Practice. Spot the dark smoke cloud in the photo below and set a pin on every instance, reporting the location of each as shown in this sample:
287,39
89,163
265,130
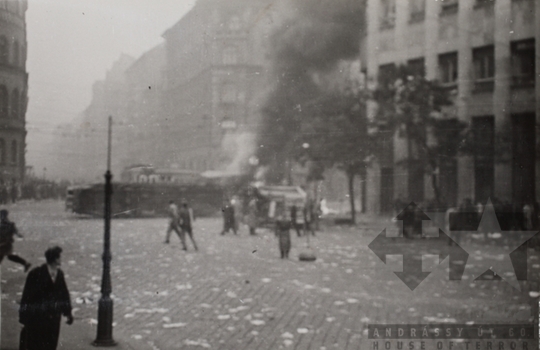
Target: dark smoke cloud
315,37
320,33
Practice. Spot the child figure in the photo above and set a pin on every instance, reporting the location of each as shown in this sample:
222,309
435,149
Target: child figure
283,226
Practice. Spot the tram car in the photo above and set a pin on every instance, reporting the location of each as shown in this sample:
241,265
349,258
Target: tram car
144,199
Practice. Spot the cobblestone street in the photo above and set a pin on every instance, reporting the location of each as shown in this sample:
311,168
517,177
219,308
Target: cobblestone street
235,293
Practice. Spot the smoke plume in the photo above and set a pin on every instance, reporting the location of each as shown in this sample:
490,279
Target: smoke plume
311,42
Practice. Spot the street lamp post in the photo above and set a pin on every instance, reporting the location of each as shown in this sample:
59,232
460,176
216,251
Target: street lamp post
105,307
307,255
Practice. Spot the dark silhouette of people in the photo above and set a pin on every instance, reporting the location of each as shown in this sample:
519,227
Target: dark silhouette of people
7,231
294,220
186,220
14,192
252,216
309,218
44,300
284,236
229,218
174,220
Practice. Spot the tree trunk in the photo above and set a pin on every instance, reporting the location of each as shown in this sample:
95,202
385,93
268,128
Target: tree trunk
435,185
363,177
350,176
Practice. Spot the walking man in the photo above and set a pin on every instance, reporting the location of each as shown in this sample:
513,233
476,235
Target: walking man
294,219
174,224
229,218
251,218
7,231
44,300
186,219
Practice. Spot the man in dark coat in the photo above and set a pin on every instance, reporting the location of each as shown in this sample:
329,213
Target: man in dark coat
44,300
186,219
229,217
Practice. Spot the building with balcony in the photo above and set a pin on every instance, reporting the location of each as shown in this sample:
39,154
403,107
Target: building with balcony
13,90
488,53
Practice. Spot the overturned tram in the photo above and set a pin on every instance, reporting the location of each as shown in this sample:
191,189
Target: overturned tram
144,199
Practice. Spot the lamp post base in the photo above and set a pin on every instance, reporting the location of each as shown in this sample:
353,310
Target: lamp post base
104,343
104,329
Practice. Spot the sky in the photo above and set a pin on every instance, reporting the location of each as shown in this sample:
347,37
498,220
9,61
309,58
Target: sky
71,44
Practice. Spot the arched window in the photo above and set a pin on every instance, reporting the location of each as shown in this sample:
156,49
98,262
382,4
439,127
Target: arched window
15,104
2,151
4,101
14,152
16,53
4,50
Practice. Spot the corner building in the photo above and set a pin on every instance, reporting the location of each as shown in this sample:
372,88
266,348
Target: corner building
13,90
215,71
485,51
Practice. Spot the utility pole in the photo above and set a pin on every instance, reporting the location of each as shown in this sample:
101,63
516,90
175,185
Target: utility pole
105,306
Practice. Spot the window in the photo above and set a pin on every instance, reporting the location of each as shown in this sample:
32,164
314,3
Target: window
417,67
14,152
448,68
449,6
387,73
3,102
2,151
484,67
16,53
15,104
230,55
417,8
523,65
4,50
388,13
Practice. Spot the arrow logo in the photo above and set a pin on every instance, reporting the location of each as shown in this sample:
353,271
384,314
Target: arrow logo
412,274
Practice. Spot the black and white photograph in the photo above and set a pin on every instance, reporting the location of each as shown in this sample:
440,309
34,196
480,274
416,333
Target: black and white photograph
269,174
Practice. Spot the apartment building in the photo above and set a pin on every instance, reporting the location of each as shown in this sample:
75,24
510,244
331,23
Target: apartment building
13,90
487,53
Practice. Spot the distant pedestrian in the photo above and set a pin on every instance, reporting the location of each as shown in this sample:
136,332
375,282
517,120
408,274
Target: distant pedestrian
308,217
229,217
283,233
251,218
238,211
44,300
7,231
14,192
186,224
174,224
3,194
294,220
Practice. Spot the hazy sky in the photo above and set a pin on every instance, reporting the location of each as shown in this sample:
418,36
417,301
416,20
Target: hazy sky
71,44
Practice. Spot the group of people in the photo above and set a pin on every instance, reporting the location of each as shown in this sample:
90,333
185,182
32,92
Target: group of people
232,215
45,296
181,222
